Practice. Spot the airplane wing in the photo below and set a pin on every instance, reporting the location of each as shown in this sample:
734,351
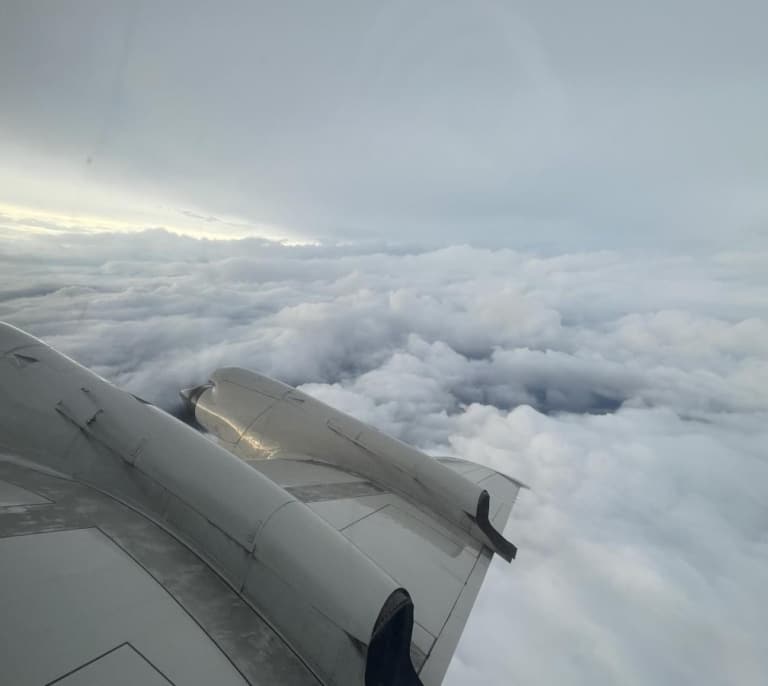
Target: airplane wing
405,520
441,567
94,592
133,549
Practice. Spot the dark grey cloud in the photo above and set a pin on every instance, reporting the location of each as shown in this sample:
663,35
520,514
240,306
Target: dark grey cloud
597,124
629,392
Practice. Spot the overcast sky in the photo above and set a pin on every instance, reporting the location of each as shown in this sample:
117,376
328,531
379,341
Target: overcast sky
529,234
554,124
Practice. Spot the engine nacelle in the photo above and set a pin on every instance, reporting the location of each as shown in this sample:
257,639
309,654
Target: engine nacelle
257,417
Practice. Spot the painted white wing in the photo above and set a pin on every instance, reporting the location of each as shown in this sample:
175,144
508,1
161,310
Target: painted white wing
432,524
134,548
95,592
441,566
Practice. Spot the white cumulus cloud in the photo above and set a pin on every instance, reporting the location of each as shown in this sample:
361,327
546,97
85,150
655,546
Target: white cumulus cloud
629,392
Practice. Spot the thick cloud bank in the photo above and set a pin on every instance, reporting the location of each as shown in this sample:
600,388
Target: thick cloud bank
630,393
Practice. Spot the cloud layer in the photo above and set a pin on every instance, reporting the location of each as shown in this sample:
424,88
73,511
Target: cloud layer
629,392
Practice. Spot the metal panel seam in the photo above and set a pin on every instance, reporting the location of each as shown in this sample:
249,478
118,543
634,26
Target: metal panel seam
193,549
175,600
373,512
90,662
453,607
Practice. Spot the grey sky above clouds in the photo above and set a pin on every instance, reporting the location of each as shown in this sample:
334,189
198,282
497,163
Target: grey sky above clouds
526,124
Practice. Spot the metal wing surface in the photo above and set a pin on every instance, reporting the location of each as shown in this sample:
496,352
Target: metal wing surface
94,592
299,547
432,524
441,566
